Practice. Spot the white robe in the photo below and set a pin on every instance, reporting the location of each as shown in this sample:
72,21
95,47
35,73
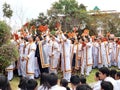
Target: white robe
118,83
44,53
21,47
78,55
103,55
118,56
65,58
114,83
66,64
87,61
95,53
57,87
54,50
110,53
97,85
30,62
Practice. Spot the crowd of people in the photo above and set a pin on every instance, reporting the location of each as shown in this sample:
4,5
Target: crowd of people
49,53
105,78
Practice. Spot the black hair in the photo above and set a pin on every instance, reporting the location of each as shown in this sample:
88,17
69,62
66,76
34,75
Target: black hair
4,83
75,79
39,36
66,35
52,79
72,40
83,87
104,70
118,74
97,74
26,39
33,38
31,84
22,37
105,85
23,82
64,83
44,80
112,73
83,80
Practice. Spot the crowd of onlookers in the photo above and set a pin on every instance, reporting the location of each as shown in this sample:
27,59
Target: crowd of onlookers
105,78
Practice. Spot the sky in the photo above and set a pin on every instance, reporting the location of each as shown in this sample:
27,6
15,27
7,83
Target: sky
25,10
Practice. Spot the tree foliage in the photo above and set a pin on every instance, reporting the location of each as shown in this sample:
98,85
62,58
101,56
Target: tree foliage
7,12
69,14
8,51
4,33
8,54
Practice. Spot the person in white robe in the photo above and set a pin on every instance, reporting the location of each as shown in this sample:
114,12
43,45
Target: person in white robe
110,52
30,58
42,55
54,55
118,55
19,63
87,61
78,51
104,75
98,82
25,53
95,53
65,55
103,53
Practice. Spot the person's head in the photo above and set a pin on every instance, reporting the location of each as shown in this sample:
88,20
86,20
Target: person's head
117,76
97,76
64,83
66,35
38,38
31,84
43,79
75,80
25,39
103,73
31,38
112,73
83,87
105,85
82,80
53,38
23,83
4,83
52,79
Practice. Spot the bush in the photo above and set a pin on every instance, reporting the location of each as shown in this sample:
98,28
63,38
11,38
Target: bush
8,51
4,33
8,54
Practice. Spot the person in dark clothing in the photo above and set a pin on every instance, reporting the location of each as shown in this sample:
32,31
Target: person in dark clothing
37,54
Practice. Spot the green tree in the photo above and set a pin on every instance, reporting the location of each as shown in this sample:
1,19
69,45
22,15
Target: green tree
73,13
7,12
8,51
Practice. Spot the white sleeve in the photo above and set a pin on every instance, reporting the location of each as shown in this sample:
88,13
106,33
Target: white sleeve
32,52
